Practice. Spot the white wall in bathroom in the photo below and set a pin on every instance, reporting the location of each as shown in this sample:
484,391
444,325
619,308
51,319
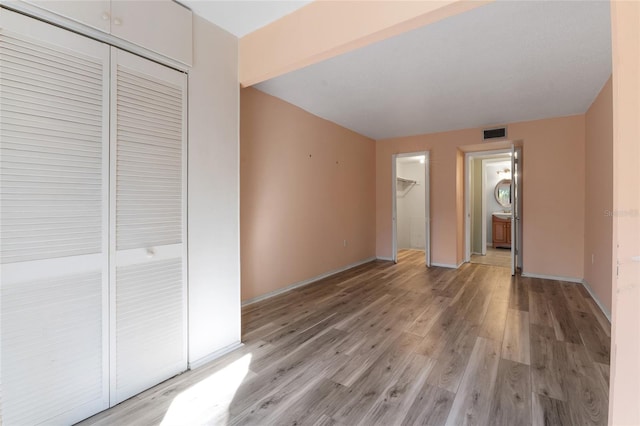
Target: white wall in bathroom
492,179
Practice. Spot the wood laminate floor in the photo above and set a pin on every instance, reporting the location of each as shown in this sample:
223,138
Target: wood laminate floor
494,256
400,344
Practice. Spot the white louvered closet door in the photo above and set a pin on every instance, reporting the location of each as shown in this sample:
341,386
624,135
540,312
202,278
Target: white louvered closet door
148,195
54,164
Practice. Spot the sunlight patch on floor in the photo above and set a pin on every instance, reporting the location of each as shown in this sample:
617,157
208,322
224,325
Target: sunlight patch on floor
208,400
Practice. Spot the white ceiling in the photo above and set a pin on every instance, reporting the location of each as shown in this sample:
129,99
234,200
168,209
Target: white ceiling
503,62
414,159
240,17
499,165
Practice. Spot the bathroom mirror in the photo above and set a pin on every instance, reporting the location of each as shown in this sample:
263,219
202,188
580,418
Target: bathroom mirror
503,192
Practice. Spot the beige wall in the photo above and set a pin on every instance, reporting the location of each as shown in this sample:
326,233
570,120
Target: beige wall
624,408
553,220
598,225
306,186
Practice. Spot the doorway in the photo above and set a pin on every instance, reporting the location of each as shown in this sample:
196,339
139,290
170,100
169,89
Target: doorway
411,212
492,208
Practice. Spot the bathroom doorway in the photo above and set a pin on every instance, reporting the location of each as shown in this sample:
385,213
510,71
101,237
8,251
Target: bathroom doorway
410,215
492,193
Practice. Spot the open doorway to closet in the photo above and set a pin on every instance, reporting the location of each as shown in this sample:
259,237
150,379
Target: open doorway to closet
493,205
411,231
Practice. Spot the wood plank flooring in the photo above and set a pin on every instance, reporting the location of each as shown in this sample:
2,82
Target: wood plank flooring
400,344
493,257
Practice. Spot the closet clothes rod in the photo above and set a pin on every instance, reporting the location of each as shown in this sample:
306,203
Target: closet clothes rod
403,180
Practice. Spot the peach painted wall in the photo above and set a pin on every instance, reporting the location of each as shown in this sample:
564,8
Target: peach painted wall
624,408
553,215
598,225
306,185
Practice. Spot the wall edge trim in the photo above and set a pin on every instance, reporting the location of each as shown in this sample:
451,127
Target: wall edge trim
214,355
306,282
552,277
447,265
595,298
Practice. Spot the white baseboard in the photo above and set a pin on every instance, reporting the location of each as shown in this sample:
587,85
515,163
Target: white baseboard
552,277
214,355
386,259
447,265
604,310
306,282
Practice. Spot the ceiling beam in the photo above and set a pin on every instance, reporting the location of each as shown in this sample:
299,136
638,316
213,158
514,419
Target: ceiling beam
327,28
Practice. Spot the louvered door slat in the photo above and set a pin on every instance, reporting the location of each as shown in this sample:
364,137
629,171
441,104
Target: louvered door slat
148,204
69,108
148,109
54,109
147,315
49,54
148,113
148,155
45,92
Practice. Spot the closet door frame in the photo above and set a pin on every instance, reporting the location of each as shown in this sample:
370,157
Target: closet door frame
113,136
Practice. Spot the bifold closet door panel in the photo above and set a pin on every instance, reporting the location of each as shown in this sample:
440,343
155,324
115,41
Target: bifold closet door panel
54,165
148,169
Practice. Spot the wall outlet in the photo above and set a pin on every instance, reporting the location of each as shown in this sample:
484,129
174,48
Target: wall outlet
344,243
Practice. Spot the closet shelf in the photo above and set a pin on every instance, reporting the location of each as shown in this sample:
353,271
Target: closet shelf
404,180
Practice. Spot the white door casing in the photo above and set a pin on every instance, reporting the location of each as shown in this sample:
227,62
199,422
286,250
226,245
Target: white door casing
516,208
427,207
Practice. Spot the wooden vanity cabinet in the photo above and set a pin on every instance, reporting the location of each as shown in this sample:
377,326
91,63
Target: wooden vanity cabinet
501,232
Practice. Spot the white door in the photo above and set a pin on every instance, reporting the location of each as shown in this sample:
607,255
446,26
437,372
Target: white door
394,208
54,135
427,211
515,209
148,195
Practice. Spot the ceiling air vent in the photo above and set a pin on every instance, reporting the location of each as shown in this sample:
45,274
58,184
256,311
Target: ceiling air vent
498,133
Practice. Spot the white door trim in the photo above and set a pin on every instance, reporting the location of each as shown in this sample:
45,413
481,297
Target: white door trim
469,157
394,206
516,207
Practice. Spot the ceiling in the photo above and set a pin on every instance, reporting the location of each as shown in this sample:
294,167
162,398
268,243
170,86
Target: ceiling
240,17
494,166
503,62
414,159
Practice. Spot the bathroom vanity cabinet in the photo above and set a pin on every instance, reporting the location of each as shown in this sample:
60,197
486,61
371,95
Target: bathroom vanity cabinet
501,232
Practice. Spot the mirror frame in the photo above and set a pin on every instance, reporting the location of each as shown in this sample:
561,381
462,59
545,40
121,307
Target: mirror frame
495,192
